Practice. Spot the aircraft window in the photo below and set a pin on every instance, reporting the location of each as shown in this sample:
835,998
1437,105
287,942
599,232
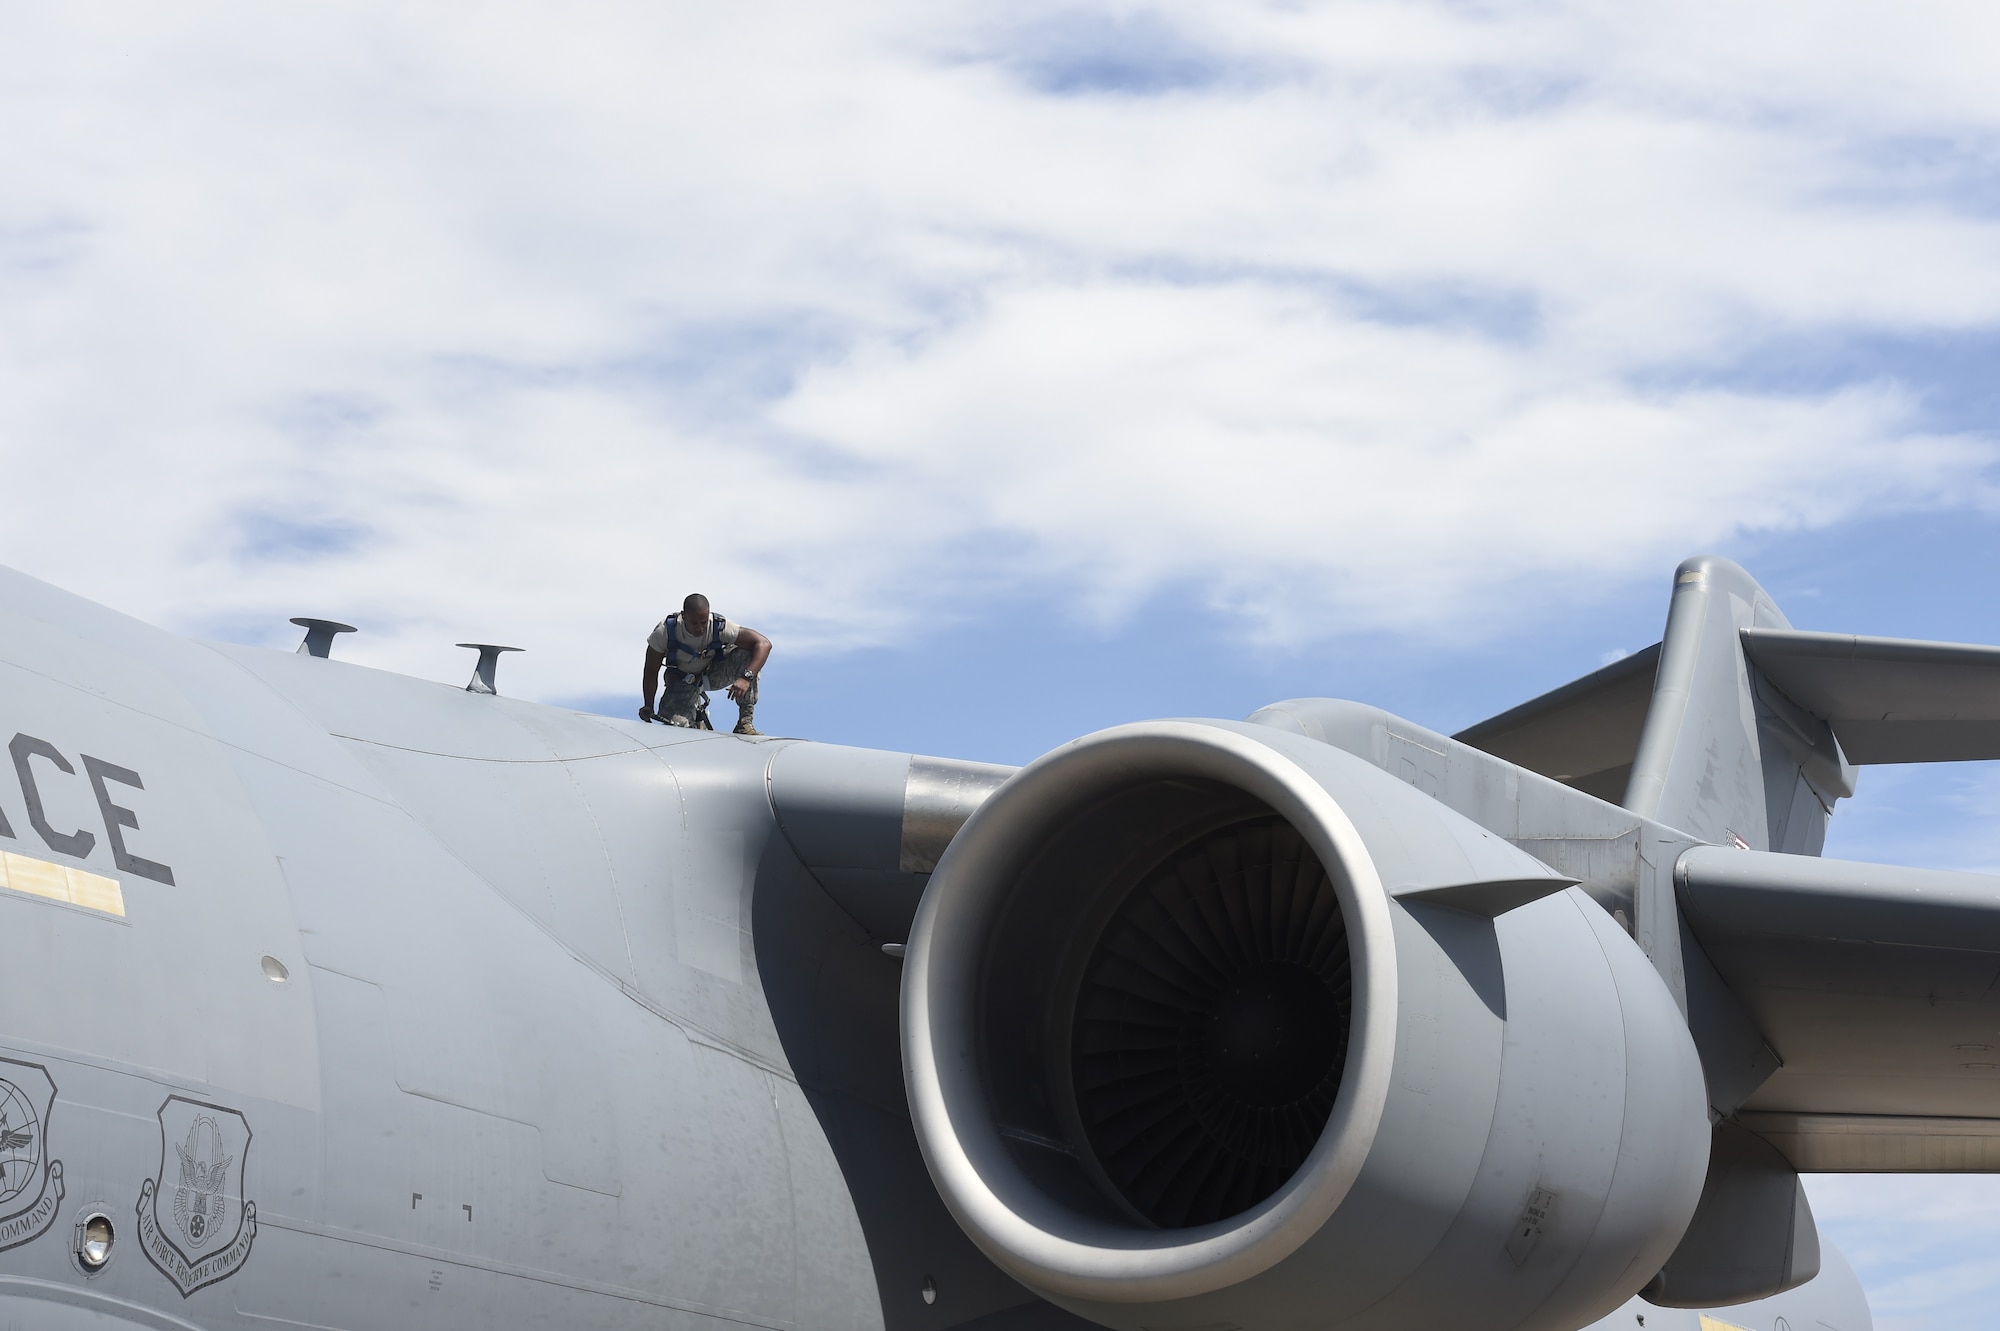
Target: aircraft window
94,1237
59,882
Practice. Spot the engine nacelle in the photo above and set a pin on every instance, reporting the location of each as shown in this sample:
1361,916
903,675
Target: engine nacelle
1211,1026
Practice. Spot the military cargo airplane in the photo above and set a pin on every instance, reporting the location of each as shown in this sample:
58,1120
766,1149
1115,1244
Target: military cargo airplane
336,998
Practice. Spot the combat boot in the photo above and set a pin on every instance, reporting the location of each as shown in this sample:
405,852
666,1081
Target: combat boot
744,717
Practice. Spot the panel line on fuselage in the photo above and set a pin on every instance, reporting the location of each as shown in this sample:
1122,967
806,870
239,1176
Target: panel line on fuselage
470,1262
688,1026
481,758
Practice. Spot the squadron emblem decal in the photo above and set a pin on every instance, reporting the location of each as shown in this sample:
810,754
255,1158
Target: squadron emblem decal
31,1184
194,1222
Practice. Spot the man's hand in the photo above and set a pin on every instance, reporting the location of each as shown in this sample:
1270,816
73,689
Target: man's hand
737,688
646,714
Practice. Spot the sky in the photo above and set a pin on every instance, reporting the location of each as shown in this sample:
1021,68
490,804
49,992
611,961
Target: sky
1023,369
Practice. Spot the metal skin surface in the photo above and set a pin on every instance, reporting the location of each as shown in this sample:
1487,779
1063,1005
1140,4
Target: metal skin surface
349,1000
520,1070
1832,1301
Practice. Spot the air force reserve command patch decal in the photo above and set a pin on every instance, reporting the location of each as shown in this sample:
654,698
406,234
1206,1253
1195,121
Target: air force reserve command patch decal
31,1184
194,1222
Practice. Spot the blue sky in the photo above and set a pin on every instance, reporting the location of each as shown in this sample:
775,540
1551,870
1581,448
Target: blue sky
1028,368
1024,671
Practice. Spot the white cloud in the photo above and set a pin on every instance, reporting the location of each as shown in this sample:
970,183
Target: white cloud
1255,439
488,320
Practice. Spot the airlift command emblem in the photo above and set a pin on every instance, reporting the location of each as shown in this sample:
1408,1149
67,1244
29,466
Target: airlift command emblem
193,1220
31,1184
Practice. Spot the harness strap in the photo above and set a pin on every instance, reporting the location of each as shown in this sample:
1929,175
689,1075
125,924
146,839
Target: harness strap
716,624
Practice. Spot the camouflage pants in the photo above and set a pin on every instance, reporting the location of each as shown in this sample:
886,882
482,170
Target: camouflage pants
683,704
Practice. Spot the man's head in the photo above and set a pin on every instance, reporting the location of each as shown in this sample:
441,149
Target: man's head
694,613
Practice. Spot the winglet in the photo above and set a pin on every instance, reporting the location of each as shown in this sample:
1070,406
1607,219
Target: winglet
489,658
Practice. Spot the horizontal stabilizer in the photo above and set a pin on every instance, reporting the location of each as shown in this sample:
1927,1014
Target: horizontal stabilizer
1889,700
1873,984
1583,734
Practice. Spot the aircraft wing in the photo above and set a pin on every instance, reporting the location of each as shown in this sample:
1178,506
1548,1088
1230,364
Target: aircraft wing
1889,700
1583,734
1879,988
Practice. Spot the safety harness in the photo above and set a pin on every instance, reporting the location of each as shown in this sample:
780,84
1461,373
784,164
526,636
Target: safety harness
716,624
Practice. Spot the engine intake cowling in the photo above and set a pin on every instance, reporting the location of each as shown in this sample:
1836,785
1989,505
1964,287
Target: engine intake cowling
1207,1025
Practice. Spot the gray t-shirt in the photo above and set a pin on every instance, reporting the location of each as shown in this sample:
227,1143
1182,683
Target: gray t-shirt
686,651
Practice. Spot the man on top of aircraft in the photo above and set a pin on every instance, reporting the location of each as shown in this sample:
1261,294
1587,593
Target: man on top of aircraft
702,651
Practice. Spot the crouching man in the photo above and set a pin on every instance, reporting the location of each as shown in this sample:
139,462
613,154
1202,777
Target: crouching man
701,651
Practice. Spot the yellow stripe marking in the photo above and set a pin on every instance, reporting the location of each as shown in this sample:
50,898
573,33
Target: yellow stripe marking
59,882
1717,1324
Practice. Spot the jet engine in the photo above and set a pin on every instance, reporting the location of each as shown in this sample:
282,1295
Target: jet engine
1210,1026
